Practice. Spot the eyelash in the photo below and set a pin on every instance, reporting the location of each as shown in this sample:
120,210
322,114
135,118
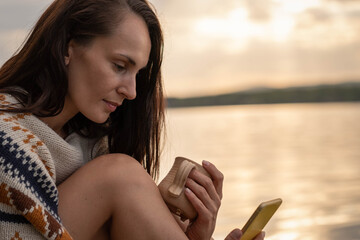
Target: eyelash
119,67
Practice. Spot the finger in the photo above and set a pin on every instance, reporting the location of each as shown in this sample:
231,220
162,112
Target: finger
216,176
207,184
260,236
234,235
183,224
202,194
196,203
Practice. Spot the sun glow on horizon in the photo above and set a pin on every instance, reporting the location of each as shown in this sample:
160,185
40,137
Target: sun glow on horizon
232,30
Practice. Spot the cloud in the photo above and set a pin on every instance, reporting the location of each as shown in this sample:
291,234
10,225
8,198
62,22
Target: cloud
20,14
327,27
343,1
194,9
283,42
5,3
10,41
16,19
317,15
261,64
259,10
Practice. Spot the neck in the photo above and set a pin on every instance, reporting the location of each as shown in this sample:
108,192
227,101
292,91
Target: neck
58,122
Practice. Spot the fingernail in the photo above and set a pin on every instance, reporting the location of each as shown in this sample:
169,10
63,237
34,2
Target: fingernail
205,163
187,190
263,234
237,233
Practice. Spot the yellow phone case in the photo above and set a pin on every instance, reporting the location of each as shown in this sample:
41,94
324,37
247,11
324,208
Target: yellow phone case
260,218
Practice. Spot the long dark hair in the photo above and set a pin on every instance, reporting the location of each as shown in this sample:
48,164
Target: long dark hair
39,68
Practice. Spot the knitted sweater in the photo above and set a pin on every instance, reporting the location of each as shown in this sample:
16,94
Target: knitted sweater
33,161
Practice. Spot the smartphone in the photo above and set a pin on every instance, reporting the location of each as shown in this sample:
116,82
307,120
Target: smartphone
260,218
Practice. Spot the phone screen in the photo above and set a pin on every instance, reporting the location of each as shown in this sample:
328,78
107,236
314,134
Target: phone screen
260,218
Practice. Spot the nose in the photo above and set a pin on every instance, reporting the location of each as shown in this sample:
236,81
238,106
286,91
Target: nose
128,87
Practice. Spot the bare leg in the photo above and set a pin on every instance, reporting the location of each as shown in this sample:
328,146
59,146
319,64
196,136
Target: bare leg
115,190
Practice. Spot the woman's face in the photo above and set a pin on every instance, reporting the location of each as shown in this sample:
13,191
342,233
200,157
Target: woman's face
103,73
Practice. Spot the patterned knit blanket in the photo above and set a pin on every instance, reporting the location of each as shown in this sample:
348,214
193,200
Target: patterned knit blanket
28,193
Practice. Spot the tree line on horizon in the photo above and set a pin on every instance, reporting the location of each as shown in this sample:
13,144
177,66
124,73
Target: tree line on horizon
344,92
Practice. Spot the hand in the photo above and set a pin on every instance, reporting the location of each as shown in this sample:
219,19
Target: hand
205,195
236,235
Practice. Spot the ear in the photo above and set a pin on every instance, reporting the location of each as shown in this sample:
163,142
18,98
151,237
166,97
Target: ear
69,53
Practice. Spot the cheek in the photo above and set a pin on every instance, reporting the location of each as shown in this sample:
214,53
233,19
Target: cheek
83,78
100,81
91,77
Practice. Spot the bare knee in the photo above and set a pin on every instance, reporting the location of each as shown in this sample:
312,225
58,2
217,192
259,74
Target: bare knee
118,167
121,173
109,174
97,189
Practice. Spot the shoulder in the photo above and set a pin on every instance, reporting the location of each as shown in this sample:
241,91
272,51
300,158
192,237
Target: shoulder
7,101
10,122
26,169
17,135
7,118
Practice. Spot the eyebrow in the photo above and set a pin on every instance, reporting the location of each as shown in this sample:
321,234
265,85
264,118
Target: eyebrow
131,61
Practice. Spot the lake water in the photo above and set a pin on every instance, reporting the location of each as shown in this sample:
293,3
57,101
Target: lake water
307,154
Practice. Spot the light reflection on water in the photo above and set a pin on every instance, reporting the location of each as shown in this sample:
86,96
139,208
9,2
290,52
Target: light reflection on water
307,154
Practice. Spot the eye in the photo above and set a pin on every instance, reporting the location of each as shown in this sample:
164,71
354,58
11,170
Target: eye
119,67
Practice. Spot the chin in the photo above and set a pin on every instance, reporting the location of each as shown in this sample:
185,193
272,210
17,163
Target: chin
100,121
98,118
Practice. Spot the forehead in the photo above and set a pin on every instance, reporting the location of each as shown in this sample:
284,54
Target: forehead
130,37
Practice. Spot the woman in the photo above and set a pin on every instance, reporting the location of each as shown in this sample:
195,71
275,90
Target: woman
85,86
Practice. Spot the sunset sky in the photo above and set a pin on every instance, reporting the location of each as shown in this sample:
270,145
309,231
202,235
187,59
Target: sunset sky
215,46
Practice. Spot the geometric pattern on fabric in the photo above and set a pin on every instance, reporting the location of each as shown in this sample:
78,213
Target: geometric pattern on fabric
28,193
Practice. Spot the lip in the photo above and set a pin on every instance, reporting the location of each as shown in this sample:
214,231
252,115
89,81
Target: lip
111,105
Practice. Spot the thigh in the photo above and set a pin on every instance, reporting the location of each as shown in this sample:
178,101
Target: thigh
85,198
115,189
